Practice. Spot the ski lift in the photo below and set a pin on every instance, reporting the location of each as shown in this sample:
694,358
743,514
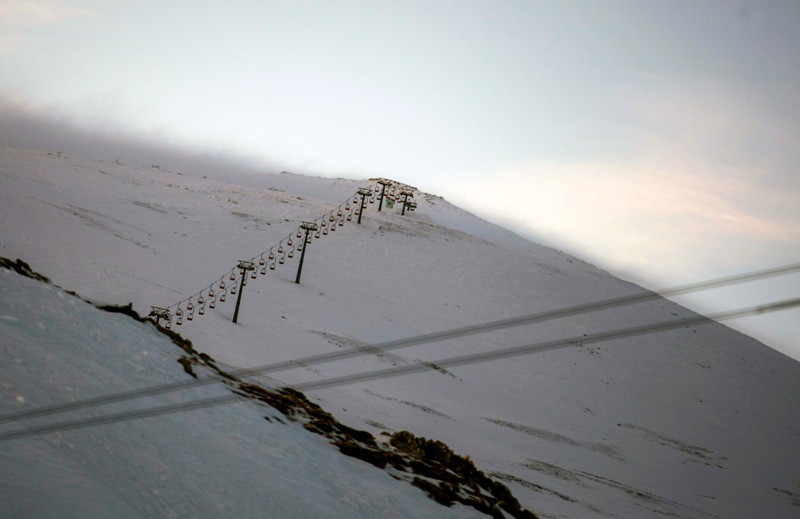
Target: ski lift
262,261
339,212
167,325
333,227
271,256
232,276
291,253
233,289
316,234
179,312
211,293
289,242
212,304
179,321
330,218
222,297
254,274
347,205
202,310
299,247
190,317
280,249
190,306
282,260
325,231
350,217
200,301
341,221
222,285
308,240
272,266
264,270
299,235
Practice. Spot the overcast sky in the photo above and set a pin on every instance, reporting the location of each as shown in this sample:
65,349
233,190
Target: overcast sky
659,140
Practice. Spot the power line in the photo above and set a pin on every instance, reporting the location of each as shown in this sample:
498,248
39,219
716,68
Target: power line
407,370
410,341
548,346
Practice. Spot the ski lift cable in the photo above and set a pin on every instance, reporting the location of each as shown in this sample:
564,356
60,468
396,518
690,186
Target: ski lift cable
232,270
409,341
461,360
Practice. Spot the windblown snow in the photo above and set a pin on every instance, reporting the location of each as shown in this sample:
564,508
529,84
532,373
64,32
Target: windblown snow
697,422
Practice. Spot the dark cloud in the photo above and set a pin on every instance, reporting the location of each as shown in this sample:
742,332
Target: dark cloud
25,126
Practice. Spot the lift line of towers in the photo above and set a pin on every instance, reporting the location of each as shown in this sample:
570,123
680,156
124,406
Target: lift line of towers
277,255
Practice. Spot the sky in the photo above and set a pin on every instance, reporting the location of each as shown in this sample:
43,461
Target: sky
658,140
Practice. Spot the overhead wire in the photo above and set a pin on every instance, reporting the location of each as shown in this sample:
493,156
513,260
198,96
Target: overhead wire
409,369
386,346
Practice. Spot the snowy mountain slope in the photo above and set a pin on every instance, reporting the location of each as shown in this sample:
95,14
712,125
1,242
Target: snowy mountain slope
696,422
218,461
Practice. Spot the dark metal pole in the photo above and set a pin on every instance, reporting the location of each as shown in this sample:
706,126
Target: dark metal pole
302,255
363,193
380,202
239,296
405,203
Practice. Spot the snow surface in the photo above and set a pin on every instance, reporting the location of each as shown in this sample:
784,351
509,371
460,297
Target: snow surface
696,422
225,461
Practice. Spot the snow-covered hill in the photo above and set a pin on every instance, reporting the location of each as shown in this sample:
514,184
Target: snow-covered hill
221,461
695,422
